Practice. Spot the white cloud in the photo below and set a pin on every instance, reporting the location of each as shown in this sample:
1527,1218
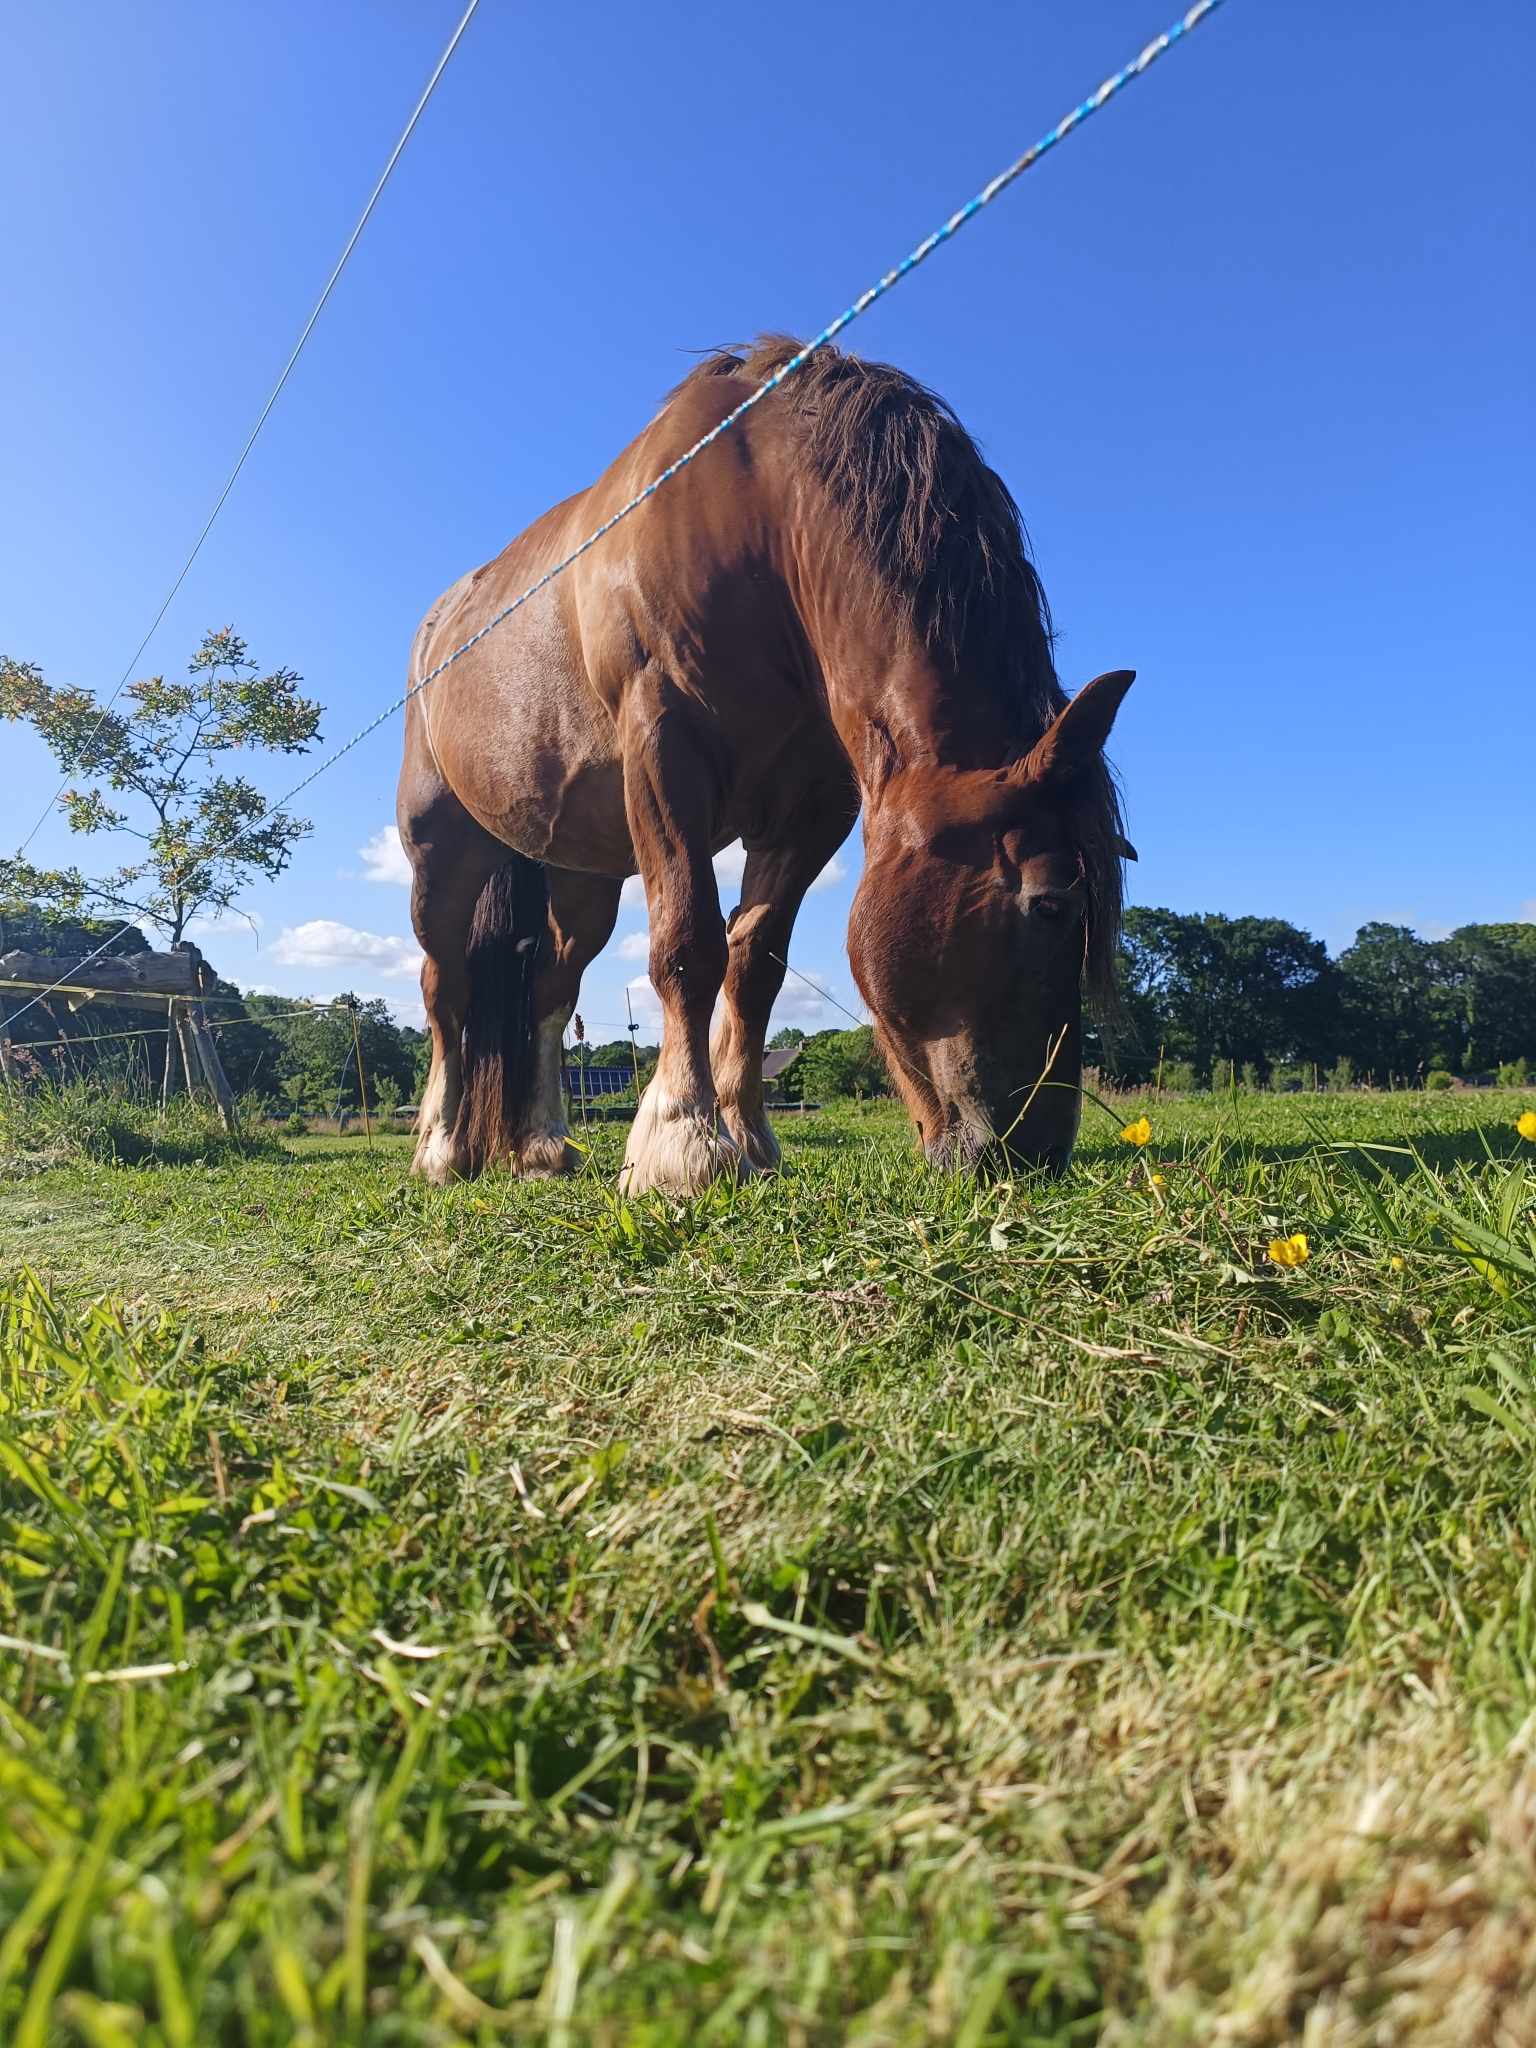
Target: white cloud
800,1004
408,1010
383,858
635,945
833,873
632,895
322,942
645,1002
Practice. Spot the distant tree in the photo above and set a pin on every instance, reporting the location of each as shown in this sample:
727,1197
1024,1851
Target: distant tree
835,1064
1252,991
614,1053
785,1037
315,1064
419,1044
1126,1041
154,772
1490,986
1392,1001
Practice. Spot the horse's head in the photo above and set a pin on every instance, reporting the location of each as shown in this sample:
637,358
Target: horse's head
986,895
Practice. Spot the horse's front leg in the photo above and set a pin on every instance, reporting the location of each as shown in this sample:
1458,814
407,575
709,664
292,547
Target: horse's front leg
677,1141
773,885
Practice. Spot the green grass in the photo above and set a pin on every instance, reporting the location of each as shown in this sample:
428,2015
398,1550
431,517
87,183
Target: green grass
856,1608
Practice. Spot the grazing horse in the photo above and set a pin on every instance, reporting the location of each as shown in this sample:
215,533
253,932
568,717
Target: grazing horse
832,609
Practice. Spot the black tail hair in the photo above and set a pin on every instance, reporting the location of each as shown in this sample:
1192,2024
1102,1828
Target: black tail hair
506,943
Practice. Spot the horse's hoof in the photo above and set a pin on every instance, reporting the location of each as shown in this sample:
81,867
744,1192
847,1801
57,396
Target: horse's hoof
441,1159
544,1155
755,1142
678,1150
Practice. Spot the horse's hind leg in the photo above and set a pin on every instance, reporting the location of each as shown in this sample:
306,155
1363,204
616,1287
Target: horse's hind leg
773,885
582,909
451,859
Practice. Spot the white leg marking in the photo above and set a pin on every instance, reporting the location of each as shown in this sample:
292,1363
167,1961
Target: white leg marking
678,1144
437,1158
542,1150
754,1137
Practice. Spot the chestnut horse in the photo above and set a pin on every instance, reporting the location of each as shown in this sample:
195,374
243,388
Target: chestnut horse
832,609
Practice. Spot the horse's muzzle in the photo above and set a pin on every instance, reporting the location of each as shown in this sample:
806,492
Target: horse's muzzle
965,1148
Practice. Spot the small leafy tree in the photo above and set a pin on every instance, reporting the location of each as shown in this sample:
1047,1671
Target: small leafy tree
154,770
835,1064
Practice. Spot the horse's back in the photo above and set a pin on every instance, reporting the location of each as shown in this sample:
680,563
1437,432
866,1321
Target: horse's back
525,728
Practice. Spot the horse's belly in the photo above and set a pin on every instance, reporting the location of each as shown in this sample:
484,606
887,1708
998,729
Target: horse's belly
532,754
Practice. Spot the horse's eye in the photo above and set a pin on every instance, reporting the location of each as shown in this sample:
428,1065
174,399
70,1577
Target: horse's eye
1047,906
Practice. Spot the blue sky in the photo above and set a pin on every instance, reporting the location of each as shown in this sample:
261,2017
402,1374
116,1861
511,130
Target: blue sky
1252,351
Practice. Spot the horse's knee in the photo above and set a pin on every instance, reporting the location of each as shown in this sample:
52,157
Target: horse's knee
688,963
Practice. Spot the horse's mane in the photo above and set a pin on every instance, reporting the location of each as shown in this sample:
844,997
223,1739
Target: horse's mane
942,532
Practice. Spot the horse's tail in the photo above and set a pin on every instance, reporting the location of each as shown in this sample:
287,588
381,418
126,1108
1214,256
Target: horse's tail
506,942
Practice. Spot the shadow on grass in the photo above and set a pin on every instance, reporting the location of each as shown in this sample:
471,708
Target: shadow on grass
1397,1156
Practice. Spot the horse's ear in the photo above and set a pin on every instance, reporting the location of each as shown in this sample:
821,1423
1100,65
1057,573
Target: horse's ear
1075,738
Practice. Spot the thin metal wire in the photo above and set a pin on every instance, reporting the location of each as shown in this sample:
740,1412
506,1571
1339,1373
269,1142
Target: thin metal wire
89,1038
957,220
229,484
825,994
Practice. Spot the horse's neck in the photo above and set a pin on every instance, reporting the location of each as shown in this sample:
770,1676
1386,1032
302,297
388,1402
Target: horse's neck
907,711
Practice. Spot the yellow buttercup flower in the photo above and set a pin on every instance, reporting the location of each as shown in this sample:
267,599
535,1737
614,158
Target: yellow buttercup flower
1525,1124
1397,1262
1290,1251
1138,1133
1158,1181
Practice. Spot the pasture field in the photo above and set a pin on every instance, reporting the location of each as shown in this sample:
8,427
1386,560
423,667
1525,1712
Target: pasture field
858,1608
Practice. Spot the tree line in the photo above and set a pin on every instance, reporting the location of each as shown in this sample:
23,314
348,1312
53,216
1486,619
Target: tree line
1259,998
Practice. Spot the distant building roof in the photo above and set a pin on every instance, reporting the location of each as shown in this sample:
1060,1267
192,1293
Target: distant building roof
775,1063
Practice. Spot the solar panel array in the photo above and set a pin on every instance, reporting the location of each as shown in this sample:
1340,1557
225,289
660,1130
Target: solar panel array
593,1081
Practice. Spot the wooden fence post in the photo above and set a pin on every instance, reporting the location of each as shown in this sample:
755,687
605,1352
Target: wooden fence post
170,1052
208,1054
362,1078
188,1051
213,1069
